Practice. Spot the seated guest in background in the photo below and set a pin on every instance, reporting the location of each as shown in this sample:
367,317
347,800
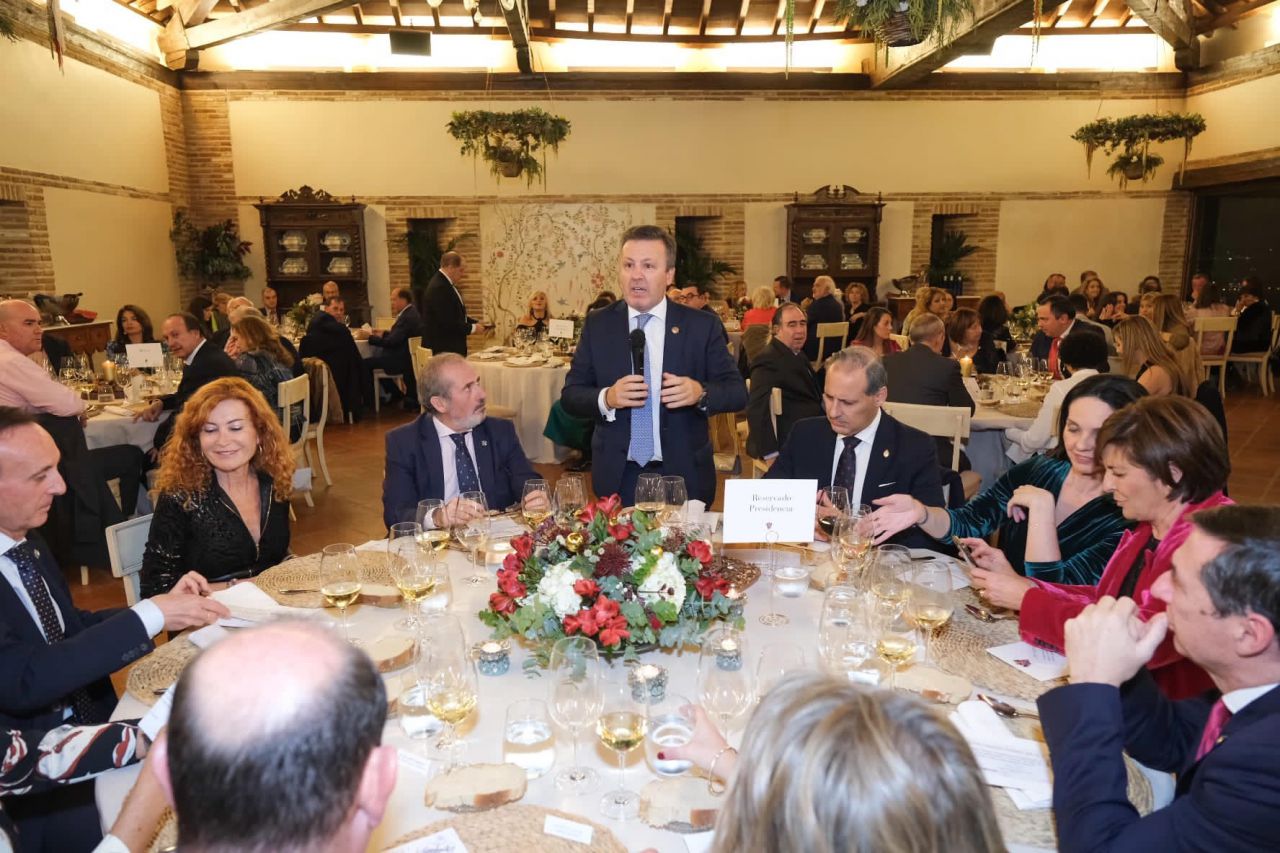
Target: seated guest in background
243,310
264,363
1199,282
224,482
453,448
1094,293
185,337
825,308
857,301
1146,358
782,290
330,290
697,297
924,377
1052,512
861,447
964,333
221,307
739,299
676,294
536,314
829,765
782,365
24,384
1056,317
603,300
1208,303
395,357
1222,598
271,310
1054,284
762,308
133,326
930,301
1253,332
56,660
330,341
283,711
1082,356
1176,330
1085,323
233,305
1164,460
993,315
877,332
1115,306
201,307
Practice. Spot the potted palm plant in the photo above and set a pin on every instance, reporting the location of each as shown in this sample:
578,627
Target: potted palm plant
209,255
695,266
512,143
1130,138
947,252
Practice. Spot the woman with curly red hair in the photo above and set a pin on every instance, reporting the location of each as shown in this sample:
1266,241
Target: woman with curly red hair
225,478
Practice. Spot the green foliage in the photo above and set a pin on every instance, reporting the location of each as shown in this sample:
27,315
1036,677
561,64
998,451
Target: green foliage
694,266
6,26
949,251
939,20
209,255
1126,166
1132,136
425,253
521,138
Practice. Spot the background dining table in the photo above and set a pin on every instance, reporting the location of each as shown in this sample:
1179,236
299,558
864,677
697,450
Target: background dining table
530,391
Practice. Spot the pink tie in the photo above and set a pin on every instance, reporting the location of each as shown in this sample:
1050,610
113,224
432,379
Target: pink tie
1218,716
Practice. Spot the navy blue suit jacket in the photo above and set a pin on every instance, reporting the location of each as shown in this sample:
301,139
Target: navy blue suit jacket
36,675
1227,801
903,461
415,470
395,341
694,346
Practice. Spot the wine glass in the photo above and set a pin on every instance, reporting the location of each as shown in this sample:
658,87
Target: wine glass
930,605
571,497
674,498
450,680
649,497
340,581
888,583
895,638
773,618
576,700
535,503
410,569
621,727
434,536
473,534
671,723
844,630
838,498
724,684
527,739
776,661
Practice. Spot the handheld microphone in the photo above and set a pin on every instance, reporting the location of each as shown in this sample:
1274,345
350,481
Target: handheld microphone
637,351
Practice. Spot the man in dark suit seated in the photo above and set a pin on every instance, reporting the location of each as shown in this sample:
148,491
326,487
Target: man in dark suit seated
444,315
184,335
453,448
921,375
783,365
395,357
782,288
1253,330
56,660
650,372
330,341
1223,608
860,447
1056,317
825,308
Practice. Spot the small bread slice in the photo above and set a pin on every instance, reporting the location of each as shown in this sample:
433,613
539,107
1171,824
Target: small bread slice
477,786
379,595
390,653
682,804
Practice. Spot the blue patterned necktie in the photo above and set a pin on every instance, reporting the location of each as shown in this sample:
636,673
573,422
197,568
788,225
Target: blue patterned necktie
468,479
641,447
24,557
847,467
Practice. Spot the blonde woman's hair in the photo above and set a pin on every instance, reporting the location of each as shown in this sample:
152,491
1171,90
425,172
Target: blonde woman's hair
1141,344
257,335
861,289
831,766
762,297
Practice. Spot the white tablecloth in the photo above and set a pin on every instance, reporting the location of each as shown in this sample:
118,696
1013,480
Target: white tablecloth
107,429
366,349
987,444
530,391
484,730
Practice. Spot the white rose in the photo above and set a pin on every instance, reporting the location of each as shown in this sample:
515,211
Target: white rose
665,582
556,589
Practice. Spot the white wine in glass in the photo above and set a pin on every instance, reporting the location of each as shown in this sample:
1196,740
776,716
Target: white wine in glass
340,581
410,570
649,494
435,527
535,503
473,534
931,603
449,677
621,727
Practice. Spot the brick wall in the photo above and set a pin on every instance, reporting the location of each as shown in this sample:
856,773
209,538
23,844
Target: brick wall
979,220
1175,241
25,262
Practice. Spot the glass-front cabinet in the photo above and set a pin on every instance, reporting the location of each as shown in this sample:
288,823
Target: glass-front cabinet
833,231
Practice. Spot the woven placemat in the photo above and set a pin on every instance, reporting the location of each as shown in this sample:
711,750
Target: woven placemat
160,669
1025,409
167,835
961,648
515,827
304,573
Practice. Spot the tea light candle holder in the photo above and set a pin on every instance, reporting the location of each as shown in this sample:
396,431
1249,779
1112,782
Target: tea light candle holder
493,657
737,602
648,682
966,366
729,655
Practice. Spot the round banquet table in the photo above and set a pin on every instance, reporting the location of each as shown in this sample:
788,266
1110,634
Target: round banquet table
483,731
987,445
530,391
110,428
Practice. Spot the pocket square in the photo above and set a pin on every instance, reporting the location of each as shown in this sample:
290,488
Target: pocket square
886,485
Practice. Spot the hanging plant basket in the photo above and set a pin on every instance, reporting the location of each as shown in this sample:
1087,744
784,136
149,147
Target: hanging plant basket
1130,138
897,32
902,23
513,143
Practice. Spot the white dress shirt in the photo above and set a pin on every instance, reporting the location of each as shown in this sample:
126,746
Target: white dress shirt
861,454
655,335
1236,700
448,458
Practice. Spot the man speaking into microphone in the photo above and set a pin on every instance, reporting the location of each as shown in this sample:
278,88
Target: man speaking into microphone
650,372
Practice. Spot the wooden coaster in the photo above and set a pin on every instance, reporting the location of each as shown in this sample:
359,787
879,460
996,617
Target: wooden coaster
516,827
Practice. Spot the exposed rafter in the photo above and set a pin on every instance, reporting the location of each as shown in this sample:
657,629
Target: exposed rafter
702,18
817,13
991,19
742,16
1228,16
1173,27
517,20
180,43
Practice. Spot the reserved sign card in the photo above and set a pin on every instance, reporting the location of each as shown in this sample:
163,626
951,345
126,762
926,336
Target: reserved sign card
759,510
560,329
144,355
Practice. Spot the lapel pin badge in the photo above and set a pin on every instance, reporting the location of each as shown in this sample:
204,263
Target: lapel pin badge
675,330
484,443
886,453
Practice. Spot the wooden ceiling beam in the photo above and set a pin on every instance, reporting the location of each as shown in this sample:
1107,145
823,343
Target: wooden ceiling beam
817,13
702,18
742,16
395,12
667,6
180,43
540,33
1173,28
358,13
912,66
591,16
631,11
1057,15
1098,8
1231,14
779,16
517,22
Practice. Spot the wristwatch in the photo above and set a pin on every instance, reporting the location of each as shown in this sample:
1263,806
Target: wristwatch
702,401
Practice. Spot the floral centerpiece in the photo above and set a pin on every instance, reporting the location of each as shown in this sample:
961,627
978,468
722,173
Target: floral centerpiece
1022,322
303,311
624,581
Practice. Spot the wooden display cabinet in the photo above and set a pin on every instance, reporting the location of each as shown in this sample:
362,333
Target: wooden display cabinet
312,237
834,231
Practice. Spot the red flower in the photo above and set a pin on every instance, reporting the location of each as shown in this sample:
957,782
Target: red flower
615,633
610,505
512,563
621,532
504,604
708,585
699,550
586,587
523,545
509,582
605,608
654,622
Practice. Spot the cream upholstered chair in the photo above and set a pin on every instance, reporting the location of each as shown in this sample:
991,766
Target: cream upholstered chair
825,332
942,422
297,392
1261,359
901,340
126,543
1216,324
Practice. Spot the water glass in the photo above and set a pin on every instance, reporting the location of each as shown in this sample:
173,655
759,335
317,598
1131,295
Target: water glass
570,497
473,534
724,684
575,700
671,723
528,741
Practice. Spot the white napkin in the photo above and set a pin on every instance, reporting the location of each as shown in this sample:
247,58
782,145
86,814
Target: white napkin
247,603
208,635
1040,664
699,842
118,411
1018,765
